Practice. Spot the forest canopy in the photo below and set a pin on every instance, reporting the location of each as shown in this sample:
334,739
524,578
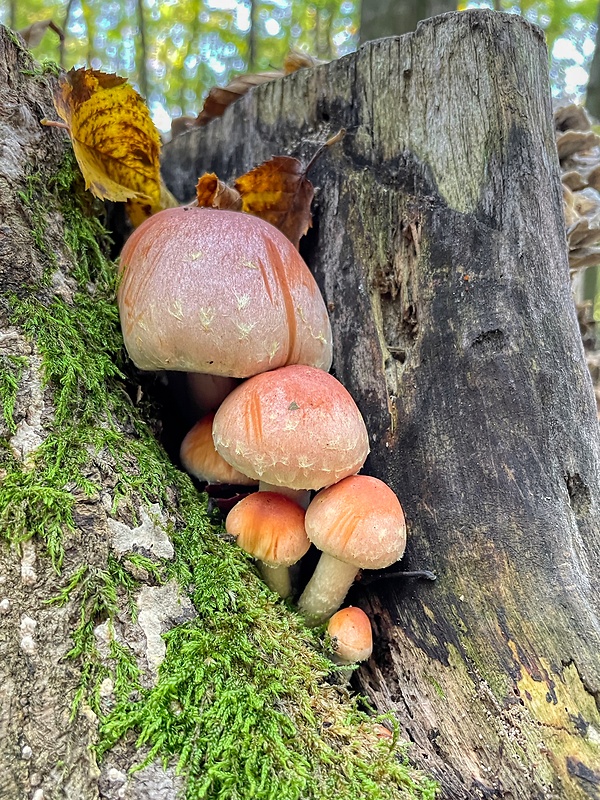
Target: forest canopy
174,51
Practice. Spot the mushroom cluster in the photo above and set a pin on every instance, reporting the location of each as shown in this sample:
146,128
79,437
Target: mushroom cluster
225,297
578,149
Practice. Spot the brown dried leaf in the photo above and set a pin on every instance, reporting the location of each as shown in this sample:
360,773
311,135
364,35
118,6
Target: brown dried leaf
182,124
298,59
213,193
219,98
279,192
34,33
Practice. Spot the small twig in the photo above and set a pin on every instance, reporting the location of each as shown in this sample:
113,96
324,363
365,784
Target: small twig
419,573
334,140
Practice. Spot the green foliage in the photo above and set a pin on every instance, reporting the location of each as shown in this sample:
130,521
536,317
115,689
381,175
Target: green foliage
190,45
556,17
97,594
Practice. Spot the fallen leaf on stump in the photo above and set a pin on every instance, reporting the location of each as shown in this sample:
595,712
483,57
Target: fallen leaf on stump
213,193
116,144
298,59
220,97
279,192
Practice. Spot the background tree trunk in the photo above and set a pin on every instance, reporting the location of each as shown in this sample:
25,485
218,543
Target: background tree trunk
592,93
379,18
438,242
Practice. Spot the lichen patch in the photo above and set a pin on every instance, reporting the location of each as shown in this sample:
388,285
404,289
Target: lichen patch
27,629
160,609
149,536
28,559
29,433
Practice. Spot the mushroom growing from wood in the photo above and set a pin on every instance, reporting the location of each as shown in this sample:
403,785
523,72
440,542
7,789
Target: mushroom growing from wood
293,428
270,527
357,523
219,292
351,636
200,458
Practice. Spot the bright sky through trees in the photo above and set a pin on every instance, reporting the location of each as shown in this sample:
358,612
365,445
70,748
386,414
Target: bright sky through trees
175,50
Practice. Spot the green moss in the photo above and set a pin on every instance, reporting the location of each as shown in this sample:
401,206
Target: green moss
11,370
242,703
436,686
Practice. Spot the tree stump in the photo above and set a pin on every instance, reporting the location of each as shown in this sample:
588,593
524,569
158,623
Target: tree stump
132,634
439,245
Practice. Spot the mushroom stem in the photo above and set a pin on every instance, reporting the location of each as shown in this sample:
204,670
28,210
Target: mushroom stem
300,496
276,577
209,391
326,590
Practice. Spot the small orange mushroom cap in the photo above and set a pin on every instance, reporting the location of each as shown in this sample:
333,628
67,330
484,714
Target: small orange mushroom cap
296,426
270,527
219,292
358,521
199,457
351,635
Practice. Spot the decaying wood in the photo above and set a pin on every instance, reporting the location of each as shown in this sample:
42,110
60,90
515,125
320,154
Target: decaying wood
439,245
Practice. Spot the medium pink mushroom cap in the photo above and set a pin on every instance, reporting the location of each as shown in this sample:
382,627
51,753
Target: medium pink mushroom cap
296,427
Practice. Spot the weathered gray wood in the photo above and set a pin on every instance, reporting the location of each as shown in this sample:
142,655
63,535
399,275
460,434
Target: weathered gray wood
439,245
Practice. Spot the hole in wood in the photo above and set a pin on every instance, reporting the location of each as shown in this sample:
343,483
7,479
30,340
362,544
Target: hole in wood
579,494
489,342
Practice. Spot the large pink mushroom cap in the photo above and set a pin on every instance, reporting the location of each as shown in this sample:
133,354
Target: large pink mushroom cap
219,292
296,427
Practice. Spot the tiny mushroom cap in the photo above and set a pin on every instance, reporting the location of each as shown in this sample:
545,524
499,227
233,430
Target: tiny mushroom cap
351,635
357,523
296,427
199,457
270,527
219,292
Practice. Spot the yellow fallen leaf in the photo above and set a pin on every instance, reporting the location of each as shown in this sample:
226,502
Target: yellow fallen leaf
139,209
114,139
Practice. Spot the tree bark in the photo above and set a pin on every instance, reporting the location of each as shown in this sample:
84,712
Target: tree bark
105,546
438,242
379,18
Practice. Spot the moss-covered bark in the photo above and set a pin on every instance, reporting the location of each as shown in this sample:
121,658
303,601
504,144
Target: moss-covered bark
105,547
439,246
